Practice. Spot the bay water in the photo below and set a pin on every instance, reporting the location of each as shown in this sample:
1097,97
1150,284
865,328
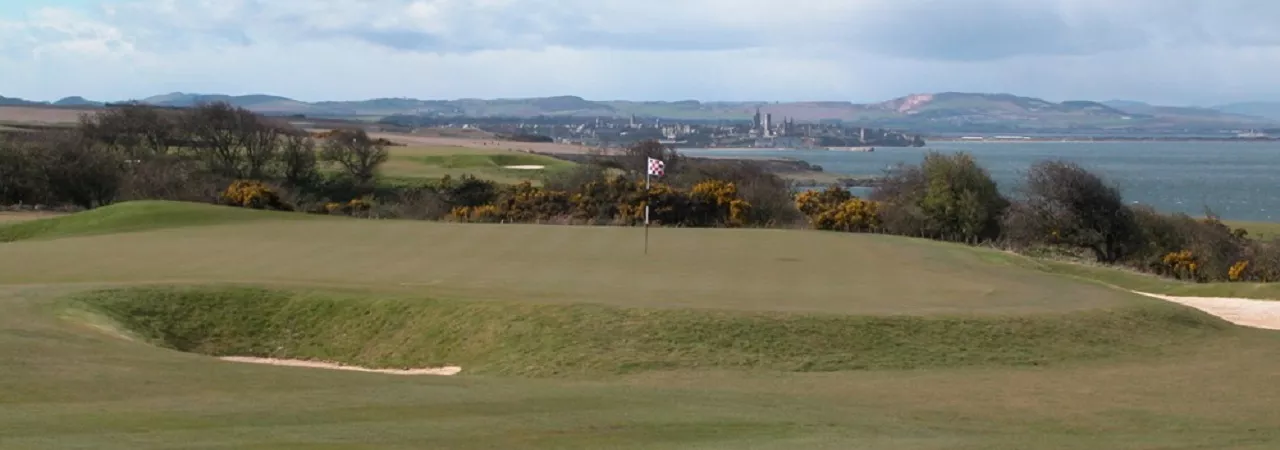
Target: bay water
1236,180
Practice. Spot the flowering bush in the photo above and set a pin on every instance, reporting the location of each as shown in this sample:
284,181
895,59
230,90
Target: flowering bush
253,194
1238,271
835,209
1182,265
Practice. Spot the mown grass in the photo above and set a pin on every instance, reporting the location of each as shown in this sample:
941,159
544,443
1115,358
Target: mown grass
433,163
545,340
755,304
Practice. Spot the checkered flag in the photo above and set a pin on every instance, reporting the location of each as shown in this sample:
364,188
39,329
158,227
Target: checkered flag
656,167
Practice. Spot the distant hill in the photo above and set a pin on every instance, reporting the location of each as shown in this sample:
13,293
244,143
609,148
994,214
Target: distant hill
937,112
12,101
76,101
266,104
1270,110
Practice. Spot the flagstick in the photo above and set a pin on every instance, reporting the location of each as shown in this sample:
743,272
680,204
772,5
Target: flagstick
646,210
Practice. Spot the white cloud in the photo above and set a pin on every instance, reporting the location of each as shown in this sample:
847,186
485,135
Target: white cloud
1180,51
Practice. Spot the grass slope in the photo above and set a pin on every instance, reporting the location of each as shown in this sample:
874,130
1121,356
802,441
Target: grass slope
543,340
131,217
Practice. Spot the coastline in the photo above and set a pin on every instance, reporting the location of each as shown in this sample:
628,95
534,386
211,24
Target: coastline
1104,139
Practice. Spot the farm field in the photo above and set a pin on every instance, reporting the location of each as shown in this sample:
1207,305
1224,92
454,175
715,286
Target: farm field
1259,230
570,337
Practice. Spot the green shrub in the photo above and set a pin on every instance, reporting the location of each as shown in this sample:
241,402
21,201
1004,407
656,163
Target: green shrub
947,197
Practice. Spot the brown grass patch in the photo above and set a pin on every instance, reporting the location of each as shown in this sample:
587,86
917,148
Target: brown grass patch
20,216
41,114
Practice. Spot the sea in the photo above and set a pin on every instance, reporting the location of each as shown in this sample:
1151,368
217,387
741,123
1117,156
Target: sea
1235,180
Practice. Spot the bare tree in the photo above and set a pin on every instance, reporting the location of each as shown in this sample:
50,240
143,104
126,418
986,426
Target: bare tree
138,131
81,171
358,155
262,142
217,132
298,156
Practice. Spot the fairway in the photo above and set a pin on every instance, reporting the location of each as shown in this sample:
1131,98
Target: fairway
571,337
432,163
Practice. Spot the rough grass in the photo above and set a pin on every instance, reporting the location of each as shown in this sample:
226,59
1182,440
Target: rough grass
131,217
1128,279
544,340
23,216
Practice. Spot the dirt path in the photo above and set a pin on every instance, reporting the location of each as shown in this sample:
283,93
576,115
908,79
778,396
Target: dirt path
448,370
1240,311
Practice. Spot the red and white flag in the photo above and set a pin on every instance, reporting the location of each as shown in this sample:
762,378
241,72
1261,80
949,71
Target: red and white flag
656,167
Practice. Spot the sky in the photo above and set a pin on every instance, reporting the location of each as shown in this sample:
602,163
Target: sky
1178,52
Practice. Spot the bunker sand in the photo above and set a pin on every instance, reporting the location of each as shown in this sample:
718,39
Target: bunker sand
447,370
1262,314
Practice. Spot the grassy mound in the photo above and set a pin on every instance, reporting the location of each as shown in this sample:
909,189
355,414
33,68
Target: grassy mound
574,339
130,217
741,270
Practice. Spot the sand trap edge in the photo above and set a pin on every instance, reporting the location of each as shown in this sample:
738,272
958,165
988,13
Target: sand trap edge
444,371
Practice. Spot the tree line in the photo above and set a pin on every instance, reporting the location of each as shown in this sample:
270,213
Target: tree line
134,152
1060,209
217,153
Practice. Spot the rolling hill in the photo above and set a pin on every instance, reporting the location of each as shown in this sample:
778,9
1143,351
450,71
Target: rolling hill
1270,110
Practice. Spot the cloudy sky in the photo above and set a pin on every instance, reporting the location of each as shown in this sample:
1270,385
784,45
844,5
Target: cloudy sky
1186,52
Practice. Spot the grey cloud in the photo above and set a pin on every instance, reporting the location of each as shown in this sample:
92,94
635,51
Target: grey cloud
986,30
995,29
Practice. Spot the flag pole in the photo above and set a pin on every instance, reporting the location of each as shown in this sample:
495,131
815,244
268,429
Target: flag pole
646,210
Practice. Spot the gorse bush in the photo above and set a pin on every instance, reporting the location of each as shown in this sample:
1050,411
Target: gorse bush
1238,271
836,209
716,202
616,201
253,194
1182,265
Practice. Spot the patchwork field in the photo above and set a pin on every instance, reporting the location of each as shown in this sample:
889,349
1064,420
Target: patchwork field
570,337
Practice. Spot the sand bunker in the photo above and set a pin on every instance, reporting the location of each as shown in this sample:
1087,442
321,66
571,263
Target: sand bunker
447,370
526,167
1240,311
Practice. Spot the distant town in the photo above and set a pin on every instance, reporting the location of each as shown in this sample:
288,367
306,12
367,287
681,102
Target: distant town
762,131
